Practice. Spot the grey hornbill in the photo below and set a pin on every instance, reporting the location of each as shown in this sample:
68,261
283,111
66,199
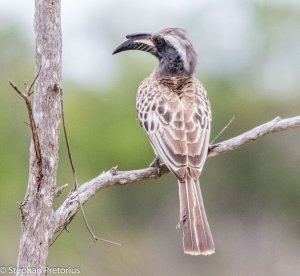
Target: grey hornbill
173,108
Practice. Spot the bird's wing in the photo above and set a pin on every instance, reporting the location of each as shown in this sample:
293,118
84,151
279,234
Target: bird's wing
177,126
197,125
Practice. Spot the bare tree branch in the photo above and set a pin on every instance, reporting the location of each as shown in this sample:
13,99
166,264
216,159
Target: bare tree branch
276,125
25,95
70,206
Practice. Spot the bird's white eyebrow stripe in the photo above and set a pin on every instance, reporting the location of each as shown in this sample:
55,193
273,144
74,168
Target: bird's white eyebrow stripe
180,50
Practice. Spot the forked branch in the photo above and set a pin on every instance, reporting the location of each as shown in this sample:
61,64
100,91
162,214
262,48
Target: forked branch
70,206
26,96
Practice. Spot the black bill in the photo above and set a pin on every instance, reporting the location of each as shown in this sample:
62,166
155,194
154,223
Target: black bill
138,41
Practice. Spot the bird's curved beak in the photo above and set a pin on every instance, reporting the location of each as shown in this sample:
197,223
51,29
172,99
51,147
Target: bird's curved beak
138,41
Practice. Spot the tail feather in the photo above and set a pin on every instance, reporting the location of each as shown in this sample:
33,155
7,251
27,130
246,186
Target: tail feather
197,237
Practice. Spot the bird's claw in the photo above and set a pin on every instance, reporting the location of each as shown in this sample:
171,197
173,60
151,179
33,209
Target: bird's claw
155,164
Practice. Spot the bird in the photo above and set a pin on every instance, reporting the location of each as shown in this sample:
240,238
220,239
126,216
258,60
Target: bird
174,110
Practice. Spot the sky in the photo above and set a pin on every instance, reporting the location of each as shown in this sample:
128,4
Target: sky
223,32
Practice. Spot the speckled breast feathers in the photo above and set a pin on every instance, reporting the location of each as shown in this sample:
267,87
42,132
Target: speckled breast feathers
175,113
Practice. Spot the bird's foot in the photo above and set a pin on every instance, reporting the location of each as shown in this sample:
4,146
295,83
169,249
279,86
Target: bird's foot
156,164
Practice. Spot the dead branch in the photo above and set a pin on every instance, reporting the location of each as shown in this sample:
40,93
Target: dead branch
25,95
65,213
276,125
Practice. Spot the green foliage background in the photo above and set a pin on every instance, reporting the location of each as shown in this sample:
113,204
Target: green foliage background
252,195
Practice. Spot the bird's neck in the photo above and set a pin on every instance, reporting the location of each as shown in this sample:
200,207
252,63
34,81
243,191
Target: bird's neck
171,68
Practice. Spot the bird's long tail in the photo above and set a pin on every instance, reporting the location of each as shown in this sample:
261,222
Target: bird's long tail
197,237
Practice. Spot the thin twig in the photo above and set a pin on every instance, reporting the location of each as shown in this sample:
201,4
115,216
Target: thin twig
57,236
30,90
25,95
222,131
95,238
60,189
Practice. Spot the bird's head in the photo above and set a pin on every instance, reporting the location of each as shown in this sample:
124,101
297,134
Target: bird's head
172,48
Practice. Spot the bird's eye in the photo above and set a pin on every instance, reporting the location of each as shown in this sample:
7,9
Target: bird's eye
160,43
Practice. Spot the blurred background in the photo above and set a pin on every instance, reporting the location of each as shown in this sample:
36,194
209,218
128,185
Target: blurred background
249,60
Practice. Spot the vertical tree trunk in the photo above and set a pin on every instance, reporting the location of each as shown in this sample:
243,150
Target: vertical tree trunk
38,219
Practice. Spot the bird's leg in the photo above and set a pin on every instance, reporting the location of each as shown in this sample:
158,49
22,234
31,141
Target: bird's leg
156,164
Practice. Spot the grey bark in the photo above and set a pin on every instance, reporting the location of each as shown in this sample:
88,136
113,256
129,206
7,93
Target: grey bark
38,220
